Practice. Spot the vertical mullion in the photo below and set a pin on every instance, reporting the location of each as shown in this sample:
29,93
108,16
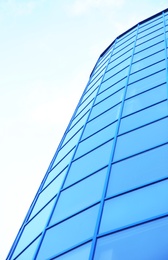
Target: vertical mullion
166,46
111,158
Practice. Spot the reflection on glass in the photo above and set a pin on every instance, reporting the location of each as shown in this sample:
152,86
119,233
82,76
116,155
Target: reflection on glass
129,144
147,242
68,233
146,99
78,197
95,140
134,207
30,251
89,163
34,228
82,252
143,117
138,171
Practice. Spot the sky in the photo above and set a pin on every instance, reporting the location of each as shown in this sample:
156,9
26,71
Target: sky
48,49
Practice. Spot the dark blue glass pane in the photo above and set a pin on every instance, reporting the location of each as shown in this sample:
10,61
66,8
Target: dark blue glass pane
138,170
144,242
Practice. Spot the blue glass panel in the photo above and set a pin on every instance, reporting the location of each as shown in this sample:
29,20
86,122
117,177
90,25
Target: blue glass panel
34,228
135,207
122,51
93,85
144,242
76,127
83,107
79,196
148,61
150,29
143,117
149,36
30,251
126,36
70,142
106,93
116,77
145,99
101,66
48,193
120,66
151,22
128,41
148,51
79,117
64,162
121,58
99,73
89,163
107,103
138,170
109,83
90,94
82,252
129,144
53,174
95,140
147,71
101,121
69,145
152,41
146,83
68,233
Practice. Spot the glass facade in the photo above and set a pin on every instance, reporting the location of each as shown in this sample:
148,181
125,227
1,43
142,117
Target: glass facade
105,193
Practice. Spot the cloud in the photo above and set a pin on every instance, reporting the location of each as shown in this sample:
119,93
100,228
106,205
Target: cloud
79,7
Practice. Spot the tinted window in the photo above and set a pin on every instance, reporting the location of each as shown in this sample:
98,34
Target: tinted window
68,233
141,139
135,206
138,170
89,163
79,196
147,242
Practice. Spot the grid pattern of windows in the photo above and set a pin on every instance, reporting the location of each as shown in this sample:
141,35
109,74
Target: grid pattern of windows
107,185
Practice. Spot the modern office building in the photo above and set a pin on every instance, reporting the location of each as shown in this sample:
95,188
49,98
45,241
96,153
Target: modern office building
105,193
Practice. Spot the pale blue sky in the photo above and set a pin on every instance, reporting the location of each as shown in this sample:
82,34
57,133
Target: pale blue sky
48,49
